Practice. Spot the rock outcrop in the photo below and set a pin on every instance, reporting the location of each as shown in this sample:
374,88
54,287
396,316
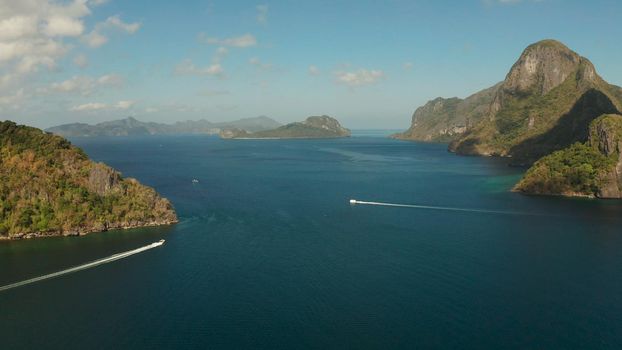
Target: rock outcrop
50,187
606,137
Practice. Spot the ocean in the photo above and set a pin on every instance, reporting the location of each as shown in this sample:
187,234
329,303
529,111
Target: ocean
269,253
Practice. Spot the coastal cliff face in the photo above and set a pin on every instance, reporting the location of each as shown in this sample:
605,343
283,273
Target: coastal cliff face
445,119
545,103
313,127
606,137
591,169
51,188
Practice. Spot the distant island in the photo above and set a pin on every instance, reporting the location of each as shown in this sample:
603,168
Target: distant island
548,102
133,127
50,187
313,127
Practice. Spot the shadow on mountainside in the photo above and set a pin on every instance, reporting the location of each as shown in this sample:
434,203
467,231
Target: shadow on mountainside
571,127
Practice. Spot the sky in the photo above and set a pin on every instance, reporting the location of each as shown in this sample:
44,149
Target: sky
369,64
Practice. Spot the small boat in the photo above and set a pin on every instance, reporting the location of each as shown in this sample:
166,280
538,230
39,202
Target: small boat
195,181
156,244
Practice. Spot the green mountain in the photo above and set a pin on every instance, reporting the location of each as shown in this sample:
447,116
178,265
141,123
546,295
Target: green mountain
132,127
545,103
445,119
50,187
592,169
312,127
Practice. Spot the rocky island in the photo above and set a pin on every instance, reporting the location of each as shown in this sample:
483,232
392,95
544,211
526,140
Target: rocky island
313,127
50,187
549,101
546,103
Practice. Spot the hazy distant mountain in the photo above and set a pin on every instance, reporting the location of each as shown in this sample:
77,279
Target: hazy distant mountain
131,127
313,127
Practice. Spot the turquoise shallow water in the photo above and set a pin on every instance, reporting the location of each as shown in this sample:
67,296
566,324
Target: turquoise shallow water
269,254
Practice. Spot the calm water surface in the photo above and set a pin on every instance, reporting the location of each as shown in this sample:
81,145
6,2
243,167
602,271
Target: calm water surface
269,254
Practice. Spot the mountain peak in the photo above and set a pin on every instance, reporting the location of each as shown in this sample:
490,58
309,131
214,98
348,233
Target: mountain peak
542,67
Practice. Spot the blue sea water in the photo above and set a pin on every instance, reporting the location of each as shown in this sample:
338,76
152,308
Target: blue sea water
270,254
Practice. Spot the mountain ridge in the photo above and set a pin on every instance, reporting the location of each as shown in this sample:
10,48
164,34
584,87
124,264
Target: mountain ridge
130,126
444,119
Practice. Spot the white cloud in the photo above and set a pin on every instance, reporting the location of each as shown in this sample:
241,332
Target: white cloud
94,39
220,54
125,104
63,26
32,32
84,85
246,40
98,106
116,22
313,70
97,2
359,78
97,38
91,106
259,64
262,14
17,27
110,80
37,34
12,101
186,67
81,84
81,61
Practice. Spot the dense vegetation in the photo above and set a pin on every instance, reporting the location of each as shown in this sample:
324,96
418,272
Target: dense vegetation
50,187
576,170
590,169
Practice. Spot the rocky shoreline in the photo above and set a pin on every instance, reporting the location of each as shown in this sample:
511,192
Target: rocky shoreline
83,231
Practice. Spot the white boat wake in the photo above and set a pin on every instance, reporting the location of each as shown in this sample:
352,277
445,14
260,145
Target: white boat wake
84,266
430,207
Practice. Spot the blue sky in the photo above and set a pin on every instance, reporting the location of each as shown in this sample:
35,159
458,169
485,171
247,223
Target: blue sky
367,63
